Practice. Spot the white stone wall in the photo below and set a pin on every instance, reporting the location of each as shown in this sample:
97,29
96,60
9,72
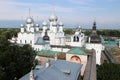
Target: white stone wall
97,48
77,44
80,43
25,38
60,49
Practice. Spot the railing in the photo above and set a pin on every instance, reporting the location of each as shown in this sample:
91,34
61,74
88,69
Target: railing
109,56
90,72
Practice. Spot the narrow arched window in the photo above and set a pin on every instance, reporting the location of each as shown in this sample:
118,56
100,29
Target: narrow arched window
77,39
20,41
30,42
74,39
75,59
25,41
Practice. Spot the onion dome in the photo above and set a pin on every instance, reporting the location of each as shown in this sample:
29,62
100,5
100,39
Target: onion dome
21,25
77,33
95,38
32,25
29,20
46,37
44,23
54,23
60,24
53,17
80,27
94,25
37,25
13,38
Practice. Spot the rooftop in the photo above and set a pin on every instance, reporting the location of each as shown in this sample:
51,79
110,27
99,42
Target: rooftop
77,51
56,71
40,41
47,52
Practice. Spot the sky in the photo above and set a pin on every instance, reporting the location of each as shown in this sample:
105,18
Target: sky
71,12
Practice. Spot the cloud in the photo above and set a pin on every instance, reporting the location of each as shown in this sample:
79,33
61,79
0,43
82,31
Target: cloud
112,0
81,2
13,9
75,12
9,9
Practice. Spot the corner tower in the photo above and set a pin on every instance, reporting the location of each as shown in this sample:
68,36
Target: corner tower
94,42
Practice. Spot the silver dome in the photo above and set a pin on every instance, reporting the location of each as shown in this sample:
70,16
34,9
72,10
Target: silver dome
21,25
61,24
53,17
29,20
44,23
37,25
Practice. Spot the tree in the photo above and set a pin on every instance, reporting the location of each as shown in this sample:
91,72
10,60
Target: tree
108,71
69,31
15,61
87,32
8,33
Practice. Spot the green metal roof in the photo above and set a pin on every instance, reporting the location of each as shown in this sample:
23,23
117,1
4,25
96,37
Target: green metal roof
47,52
76,51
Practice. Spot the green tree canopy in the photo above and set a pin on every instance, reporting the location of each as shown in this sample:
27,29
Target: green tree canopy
15,61
69,31
108,71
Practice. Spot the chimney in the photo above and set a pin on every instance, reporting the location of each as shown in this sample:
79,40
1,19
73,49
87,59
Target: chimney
47,63
55,57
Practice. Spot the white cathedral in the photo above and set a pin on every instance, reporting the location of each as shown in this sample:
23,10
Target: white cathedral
52,37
